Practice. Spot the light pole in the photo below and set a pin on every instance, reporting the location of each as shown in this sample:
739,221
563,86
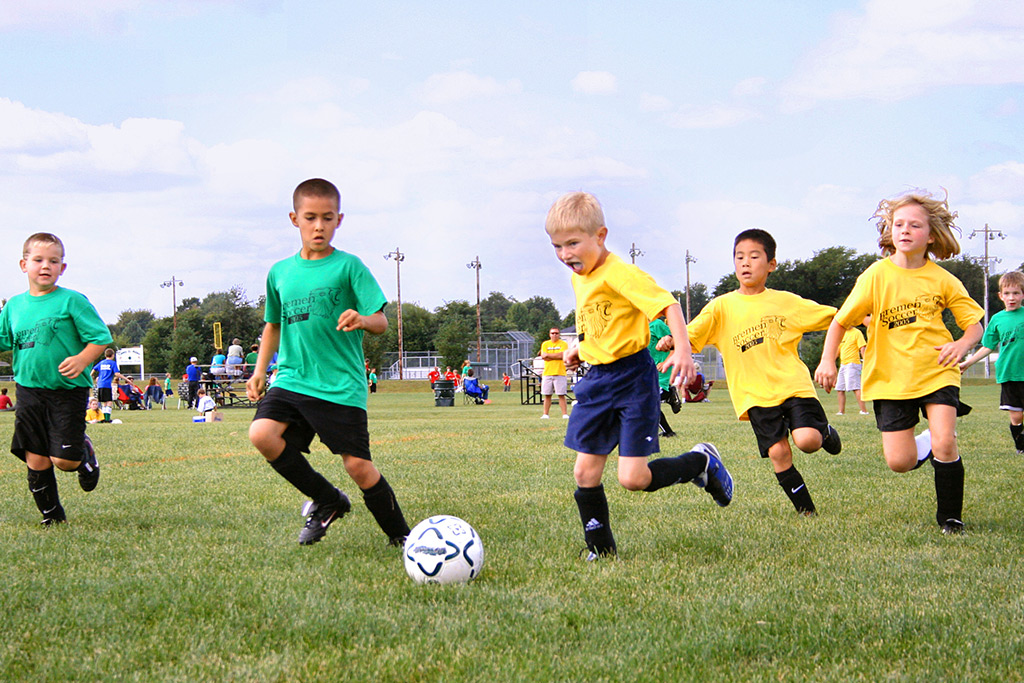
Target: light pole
174,283
475,264
399,257
989,235
634,252
689,260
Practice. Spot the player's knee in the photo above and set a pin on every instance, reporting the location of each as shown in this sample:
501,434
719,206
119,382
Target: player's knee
807,441
633,482
266,441
901,462
67,465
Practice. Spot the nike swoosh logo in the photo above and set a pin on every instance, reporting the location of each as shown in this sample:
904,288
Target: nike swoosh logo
66,445
323,524
41,488
796,489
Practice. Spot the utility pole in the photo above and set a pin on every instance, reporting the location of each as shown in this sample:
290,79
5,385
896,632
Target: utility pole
174,283
475,264
399,257
634,252
988,235
689,260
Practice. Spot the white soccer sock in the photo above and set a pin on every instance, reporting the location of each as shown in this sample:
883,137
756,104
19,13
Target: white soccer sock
924,444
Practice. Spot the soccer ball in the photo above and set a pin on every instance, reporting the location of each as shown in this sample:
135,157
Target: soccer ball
443,549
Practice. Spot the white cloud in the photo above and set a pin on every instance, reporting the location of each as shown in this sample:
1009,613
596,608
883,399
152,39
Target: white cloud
654,103
595,83
64,15
1003,181
32,131
900,48
715,115
750,87
457,86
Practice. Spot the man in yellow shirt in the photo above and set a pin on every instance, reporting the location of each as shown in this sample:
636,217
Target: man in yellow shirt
851,350
553,380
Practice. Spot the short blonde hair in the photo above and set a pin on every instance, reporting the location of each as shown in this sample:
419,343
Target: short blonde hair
1014,278
575,211
940,223
42,238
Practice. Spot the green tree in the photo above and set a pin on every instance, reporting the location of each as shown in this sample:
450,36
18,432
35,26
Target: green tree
699,298
493,312
453,340
131,326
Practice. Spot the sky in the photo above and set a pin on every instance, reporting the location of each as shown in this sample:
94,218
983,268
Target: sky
162,139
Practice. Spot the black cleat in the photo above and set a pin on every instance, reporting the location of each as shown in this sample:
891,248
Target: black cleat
319,517
673,399
397,541
952,527
53,517
832,443
89,470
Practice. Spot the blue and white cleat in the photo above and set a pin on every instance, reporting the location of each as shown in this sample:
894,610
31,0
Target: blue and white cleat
715,479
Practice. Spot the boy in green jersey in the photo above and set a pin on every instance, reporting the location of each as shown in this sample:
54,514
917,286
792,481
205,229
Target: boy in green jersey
319,302
1006,331
56,335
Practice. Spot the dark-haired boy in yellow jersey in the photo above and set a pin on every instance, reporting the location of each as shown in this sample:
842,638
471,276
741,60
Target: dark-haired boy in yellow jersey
757,331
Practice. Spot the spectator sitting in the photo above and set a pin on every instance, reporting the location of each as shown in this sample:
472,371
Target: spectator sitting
5,400
697,390
217,363
205,404
234,366
93,413
235,350
131,395
474,389
153,394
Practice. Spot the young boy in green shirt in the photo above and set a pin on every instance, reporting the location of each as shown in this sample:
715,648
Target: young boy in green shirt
56,335
319,302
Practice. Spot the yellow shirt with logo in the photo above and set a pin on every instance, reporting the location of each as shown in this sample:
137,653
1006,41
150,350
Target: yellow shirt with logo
906,304
554,367
615,303
758,335
849,348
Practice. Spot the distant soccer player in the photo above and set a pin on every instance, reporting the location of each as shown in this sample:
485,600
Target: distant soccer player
851,357
1006,331
56,335
911,362
619,397
757,330
318,304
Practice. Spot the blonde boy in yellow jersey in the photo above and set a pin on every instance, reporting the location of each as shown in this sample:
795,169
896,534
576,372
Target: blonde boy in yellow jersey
911,362
618,399
850,353
757,331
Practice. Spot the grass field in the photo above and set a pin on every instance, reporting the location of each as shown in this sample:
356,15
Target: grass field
183,564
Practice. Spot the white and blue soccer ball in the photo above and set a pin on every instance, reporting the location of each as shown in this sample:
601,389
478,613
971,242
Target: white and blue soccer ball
443,549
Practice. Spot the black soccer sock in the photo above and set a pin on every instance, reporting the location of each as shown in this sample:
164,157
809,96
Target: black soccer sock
597,530
381,502
669,471
1017,432
949,490
793,484
42,484
294,467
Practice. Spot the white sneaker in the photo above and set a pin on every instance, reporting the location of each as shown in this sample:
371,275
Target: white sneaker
564,416
838,413
545,417
864,412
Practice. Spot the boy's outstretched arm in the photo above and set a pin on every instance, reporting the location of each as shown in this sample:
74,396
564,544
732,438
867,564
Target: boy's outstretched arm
952,352
826,373
982,352
351,320
269,342
72,366
681,357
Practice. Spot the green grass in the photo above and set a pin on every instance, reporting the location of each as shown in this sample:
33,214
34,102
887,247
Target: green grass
183,564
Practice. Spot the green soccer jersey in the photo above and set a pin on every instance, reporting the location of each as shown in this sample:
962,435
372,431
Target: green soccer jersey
659,328
1006,331
306,297
44,330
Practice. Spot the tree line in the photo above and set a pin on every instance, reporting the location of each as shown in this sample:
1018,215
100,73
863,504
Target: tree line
450,329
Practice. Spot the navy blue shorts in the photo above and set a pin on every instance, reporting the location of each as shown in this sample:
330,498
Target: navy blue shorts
618,406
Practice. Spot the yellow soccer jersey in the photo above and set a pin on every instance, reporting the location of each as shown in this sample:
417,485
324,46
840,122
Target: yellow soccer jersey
849,348
614,306
901,360
757,335
554,367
